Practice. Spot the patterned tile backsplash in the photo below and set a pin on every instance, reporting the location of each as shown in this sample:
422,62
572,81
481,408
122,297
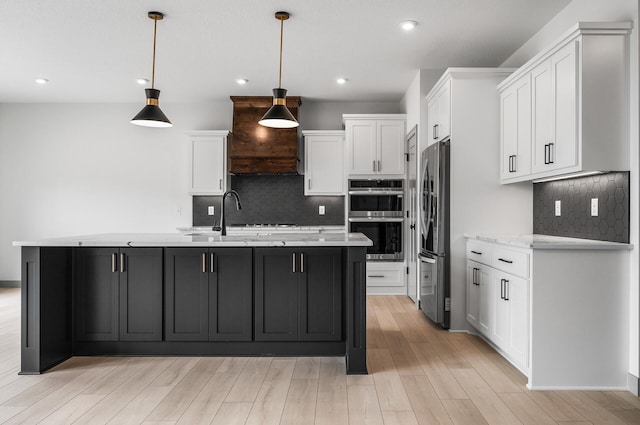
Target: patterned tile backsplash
270,199
612,222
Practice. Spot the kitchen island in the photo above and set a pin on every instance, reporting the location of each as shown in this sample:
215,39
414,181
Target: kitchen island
194,294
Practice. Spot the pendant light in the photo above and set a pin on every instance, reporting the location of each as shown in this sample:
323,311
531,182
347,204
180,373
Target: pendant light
278,116
151,115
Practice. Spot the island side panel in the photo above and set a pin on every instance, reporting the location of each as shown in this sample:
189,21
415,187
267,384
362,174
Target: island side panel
356,310
46,308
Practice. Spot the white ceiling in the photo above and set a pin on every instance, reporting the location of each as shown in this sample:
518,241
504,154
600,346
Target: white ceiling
93,50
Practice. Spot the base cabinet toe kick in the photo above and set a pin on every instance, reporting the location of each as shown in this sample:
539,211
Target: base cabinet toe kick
192,301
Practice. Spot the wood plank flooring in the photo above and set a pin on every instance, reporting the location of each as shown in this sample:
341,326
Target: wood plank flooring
419,375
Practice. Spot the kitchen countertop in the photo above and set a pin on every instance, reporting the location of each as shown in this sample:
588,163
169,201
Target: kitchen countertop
535,241
261,229
209,240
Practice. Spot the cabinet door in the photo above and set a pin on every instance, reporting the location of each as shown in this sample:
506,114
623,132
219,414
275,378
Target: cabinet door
96,280
276,294
140,294
186,294
515,134
486,300
390,135
518,294
501,330
542,116
230,294
444,112
320,281
432,119
207,171
324,165
473,293
564,152
361,146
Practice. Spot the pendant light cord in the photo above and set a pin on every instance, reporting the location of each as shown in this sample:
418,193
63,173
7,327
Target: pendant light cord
153,64
280,74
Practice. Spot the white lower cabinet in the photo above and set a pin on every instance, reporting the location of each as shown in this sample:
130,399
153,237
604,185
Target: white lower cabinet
554,307
497,299
385,277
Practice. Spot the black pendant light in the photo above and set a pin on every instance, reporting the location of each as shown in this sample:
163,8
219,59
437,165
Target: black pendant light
278,116
151,115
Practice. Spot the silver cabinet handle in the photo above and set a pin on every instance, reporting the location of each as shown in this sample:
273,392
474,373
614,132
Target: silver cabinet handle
114,260
211,263
293,262
309,185
376,275
121,262
220,184
204,262
505,261
301,262
379,166
374,166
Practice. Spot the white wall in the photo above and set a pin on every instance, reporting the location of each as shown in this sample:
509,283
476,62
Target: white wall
69,169
606,10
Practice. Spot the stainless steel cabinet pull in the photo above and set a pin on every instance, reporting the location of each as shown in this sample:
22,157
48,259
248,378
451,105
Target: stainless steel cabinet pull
374,166
551,153
211,263
220,183
376,275
505,261
502,289
293,262
435,132
379,166
301,262
121,262
204,262
476,252
114,260
506,290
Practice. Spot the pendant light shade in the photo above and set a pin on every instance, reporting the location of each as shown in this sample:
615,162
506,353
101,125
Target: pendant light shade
278,116
151,115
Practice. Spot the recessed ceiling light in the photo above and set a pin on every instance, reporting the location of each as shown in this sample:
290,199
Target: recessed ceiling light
242,81
408,25
142,81
41,80
341,80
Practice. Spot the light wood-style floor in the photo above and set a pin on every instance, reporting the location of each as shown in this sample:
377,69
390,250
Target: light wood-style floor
418,375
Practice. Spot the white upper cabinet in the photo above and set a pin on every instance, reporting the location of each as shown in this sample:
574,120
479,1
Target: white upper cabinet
575,94
375,144
324,163
439,113
515,131
207,162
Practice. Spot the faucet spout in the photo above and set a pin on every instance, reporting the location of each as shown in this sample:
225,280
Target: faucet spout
234,194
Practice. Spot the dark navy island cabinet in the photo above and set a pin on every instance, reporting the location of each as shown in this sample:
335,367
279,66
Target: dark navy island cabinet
190,300
209,294
298,294
118,294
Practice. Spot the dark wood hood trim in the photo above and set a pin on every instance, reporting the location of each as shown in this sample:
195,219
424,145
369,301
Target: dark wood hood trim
256,149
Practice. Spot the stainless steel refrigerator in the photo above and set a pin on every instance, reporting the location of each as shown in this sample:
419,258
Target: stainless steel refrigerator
435,286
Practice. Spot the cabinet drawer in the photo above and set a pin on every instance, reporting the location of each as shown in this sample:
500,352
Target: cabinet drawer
385,275
479,251
510,261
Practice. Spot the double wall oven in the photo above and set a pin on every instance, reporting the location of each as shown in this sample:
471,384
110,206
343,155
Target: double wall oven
375,209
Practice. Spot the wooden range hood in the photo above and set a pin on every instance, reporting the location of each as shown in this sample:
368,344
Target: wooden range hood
262,150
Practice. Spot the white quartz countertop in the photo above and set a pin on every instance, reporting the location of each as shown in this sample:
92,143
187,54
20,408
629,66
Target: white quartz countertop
535,241
209,240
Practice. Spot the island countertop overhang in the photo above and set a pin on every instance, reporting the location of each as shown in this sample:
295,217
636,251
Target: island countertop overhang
203,240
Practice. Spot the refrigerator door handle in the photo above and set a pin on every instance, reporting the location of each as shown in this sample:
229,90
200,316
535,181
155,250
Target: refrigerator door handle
427,259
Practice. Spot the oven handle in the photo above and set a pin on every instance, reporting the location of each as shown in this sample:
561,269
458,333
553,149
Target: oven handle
376,192
375,219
